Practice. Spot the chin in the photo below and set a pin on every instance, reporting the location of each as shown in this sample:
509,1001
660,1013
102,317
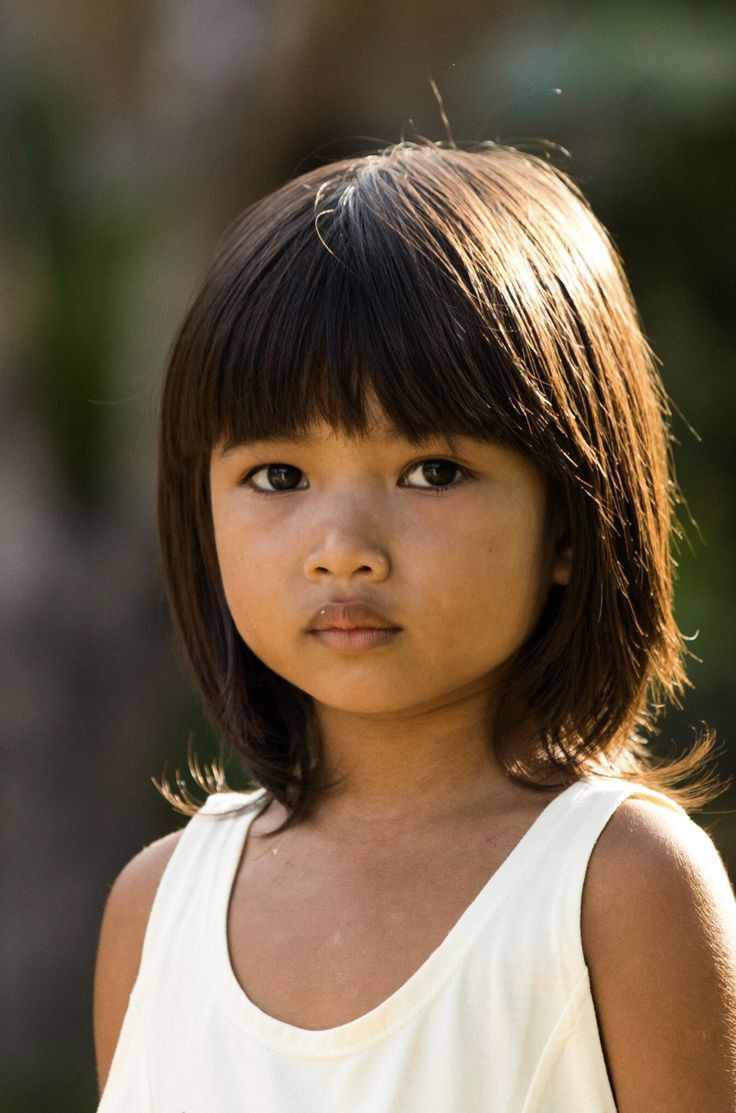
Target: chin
366,700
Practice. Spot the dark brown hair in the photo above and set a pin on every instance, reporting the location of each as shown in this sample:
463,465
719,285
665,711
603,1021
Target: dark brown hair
470,291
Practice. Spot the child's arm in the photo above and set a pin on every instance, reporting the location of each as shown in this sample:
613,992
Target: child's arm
121,943
659,931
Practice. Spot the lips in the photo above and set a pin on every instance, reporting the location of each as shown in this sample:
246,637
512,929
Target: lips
349,615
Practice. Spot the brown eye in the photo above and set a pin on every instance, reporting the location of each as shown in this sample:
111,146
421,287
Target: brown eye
436,474
271,478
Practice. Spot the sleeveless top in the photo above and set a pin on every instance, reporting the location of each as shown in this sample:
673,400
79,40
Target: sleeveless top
499,1019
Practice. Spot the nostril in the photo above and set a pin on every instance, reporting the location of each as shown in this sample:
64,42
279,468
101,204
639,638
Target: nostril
344,564
361,568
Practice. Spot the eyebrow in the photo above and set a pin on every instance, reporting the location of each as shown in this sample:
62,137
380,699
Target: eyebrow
392,435
233,445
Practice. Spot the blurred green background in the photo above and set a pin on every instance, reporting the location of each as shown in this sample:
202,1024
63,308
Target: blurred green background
131,136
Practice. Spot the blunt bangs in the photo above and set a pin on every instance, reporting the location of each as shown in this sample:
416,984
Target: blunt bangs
375,284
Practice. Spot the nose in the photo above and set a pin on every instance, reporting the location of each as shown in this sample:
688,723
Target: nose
344,554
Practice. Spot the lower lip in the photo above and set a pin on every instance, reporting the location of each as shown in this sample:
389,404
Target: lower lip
354,640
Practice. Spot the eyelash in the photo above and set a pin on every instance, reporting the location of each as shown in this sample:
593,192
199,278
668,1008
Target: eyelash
465,474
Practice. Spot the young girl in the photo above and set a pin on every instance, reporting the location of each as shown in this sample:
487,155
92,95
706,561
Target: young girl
416,513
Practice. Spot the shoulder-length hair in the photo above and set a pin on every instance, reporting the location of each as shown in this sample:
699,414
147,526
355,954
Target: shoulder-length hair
470,291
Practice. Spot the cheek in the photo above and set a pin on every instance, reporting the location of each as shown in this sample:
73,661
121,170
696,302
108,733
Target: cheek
484,582
249,573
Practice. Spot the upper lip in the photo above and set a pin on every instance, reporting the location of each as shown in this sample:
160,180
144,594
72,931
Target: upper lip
349,615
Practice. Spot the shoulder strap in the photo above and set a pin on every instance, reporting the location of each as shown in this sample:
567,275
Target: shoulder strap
197,873
559,885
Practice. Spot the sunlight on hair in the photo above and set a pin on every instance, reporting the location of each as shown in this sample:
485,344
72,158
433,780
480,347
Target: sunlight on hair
208,777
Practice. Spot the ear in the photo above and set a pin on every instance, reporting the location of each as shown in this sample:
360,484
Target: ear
562,554
562,562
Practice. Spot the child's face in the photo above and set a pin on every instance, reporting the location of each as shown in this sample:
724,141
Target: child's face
460,576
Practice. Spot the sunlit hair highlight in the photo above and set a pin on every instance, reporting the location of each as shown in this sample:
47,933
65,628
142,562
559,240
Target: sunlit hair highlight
469,291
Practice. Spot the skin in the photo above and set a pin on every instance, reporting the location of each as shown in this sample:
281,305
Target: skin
405,728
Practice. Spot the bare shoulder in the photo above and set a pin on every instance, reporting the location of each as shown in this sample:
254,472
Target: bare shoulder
121,943
659,936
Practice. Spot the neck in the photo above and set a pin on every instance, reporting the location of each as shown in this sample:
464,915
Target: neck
415,766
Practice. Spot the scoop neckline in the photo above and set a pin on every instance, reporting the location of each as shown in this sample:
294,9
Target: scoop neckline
418,989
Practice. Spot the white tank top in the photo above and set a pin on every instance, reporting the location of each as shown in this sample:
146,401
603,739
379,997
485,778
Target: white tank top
498,1019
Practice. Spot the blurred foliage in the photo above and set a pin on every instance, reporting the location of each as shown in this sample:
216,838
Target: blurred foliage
86,253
